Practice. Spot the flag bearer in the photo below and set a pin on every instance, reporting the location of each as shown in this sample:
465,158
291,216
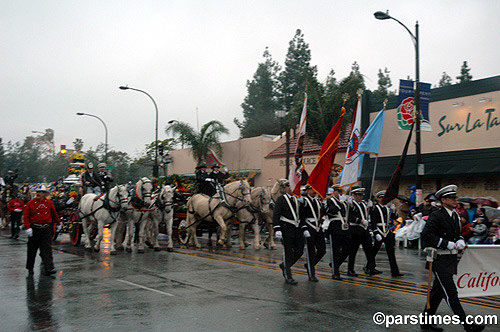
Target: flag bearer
311,214
380,216
338,230
442,231
358,227
286,221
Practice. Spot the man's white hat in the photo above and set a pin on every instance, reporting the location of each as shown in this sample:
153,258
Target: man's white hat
90,165
358,190
450,190
380,194
101,165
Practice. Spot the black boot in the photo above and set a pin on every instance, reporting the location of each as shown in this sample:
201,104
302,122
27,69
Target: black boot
351,273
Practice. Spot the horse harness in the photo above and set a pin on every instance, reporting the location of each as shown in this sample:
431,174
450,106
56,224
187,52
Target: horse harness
105,205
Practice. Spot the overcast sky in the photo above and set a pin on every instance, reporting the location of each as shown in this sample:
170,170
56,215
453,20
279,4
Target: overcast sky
62,57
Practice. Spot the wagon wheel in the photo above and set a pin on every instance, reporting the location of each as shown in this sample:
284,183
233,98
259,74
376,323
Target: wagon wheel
75,229
183,233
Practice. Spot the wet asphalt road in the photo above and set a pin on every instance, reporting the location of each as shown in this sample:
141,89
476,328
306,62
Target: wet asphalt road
189,290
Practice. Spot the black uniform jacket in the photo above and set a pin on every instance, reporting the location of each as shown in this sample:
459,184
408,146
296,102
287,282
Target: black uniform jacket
93,178
219,177
282,209
440,227
306,212
356,216
376,219
333,207
204,186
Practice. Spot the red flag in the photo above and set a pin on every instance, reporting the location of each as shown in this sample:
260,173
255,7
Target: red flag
393,188
320,175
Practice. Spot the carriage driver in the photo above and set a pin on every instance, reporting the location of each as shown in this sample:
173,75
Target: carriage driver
104,178
311,214
218,177
286,221
203,181
90,180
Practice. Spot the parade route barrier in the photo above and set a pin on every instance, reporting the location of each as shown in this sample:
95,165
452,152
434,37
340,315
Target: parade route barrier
479,271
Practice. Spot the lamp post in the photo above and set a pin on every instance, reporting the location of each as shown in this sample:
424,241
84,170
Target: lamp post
105,131
419,166
282,115
155,167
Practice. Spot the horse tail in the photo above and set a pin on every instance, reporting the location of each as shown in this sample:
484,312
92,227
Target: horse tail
189,206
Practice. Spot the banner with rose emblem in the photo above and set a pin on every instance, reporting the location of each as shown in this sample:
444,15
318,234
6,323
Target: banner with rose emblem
406,108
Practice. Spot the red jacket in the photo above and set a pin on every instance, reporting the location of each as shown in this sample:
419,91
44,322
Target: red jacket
15,204
40,211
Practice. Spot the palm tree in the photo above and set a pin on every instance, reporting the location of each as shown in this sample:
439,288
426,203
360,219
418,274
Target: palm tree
200,142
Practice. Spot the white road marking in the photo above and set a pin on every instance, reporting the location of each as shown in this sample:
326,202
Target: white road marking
144,287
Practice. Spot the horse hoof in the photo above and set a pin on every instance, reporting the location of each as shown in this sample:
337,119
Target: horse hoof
112,252
242,247
157,248
140,251
198,246
170,249
129,249
97,249
256,247
274,248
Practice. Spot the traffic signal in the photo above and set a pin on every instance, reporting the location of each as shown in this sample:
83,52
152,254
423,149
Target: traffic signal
63,150
160,149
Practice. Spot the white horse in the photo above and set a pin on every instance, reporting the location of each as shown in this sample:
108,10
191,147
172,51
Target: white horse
103,210
163,204
140,206
202,207
252,214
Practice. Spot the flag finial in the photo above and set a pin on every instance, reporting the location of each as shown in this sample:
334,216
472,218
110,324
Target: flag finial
360,92
385,102
345,96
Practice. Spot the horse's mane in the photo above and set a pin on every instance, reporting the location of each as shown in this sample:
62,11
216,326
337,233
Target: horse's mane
277,186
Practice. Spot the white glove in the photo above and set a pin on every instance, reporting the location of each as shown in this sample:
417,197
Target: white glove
349,200
29,232
365,223
451,245
393,208
307,234
18,210
325,224
369,204
278,235
58,228
378,237
225,169
460,245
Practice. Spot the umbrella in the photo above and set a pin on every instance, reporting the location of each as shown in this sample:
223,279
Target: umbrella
466,199
491,212
404,199
486,201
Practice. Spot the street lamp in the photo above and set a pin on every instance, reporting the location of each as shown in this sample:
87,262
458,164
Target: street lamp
105,137
155,167
414,37
282,115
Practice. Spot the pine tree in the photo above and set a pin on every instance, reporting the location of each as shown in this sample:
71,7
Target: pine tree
384,83
465,75
260,104
445,80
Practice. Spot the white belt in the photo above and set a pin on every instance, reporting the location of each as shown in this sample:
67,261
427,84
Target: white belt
312,222
447,252
291,221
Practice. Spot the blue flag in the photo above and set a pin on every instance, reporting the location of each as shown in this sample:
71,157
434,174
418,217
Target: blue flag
370,143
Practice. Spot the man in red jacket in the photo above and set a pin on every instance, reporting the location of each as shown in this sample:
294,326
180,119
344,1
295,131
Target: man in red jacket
39,213
15,206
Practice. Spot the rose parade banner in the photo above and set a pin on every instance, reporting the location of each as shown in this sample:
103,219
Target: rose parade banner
406,108
479,271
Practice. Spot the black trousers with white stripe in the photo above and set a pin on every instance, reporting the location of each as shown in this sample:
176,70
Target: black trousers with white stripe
444,287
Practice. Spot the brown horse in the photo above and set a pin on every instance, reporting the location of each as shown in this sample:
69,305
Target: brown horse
5,197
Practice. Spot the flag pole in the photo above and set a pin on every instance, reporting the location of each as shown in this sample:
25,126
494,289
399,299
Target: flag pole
376,159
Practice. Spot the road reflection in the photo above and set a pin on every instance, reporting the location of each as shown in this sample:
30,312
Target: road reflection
39,300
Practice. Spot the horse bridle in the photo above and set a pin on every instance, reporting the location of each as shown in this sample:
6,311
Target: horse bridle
241,188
